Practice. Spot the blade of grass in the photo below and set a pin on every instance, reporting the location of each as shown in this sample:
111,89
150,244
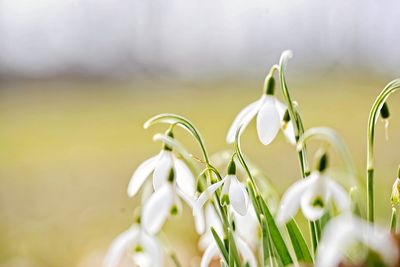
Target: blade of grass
220,245
276,236
299,244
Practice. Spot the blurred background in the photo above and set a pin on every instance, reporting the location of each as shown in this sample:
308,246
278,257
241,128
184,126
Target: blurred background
79,77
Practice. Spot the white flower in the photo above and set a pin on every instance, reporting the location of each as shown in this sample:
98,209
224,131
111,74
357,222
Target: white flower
144,249
248,227
160,166
271,116
233,192
164,202
346,231
244,250
313,194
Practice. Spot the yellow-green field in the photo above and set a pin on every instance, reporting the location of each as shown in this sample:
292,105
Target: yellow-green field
68,149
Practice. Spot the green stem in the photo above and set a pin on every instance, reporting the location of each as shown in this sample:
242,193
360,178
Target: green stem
373,116
299,130
393,221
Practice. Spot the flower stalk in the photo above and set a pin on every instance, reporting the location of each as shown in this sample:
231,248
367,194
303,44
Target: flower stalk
373,116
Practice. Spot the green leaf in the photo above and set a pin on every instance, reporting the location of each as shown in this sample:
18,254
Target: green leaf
299,244
275,234
267,252
220,245
233,252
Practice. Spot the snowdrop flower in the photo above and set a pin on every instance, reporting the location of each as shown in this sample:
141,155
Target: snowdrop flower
164,202
244,250
313,194
271,113
144,249
207,242
233,192
346,231
395,198
211,219
248,227
160,166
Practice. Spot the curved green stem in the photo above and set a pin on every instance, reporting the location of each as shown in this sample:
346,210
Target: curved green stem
299,130
373,116
174,119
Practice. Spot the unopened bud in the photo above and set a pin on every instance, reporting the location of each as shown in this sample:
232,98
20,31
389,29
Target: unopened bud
395,197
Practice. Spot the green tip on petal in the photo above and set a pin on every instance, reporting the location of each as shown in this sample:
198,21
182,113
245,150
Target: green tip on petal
225,200
138,249
171,176
174,210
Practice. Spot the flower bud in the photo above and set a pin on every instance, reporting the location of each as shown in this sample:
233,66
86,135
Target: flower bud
395,197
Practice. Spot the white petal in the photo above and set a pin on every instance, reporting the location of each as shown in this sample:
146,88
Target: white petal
212,220
227,185
268,122
153,250
238,196
199,220
140,175
336,240
247,227
157,209
246,252
162,169
211,252
184,177
121,245
287,127
339,195
291,199
207,194
288,131
243,119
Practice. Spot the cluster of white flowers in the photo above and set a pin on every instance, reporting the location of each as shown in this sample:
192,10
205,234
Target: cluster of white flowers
230,218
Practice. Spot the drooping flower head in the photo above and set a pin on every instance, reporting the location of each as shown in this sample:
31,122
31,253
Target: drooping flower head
313,194
395,197
233,192
344,234
135,244
271,113
160,167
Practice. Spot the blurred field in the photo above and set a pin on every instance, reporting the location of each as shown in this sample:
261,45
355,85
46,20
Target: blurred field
68,149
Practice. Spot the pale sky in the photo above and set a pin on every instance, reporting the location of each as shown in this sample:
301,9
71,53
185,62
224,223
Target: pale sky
195,37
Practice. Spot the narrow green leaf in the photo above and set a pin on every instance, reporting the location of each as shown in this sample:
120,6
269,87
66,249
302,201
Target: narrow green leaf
233,249
267,253
220,245
299,244
393,221
275,234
